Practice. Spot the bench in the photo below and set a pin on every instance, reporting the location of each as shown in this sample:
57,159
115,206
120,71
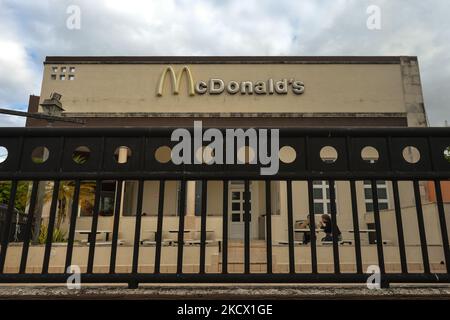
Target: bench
384,242
340,242
153,243
283,242
194,242
120,242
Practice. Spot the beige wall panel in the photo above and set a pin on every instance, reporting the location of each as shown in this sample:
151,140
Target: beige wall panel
132,88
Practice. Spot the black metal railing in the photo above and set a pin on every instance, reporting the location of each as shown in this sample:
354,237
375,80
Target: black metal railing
55,163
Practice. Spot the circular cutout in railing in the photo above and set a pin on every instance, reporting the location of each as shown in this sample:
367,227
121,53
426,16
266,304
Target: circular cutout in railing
411,154
447,154
287,154
370,154
208,155
245,154
328,154
205,154
3,154
81,155
40,154
163,154
122,154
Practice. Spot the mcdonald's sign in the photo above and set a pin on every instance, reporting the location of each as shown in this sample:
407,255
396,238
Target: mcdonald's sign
176,80
215,86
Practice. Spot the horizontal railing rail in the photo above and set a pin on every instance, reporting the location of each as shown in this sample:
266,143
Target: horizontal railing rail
57,155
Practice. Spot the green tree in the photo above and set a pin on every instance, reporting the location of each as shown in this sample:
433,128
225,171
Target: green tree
67,189
21,200
65,195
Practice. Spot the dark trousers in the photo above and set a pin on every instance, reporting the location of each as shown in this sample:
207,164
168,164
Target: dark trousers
329,237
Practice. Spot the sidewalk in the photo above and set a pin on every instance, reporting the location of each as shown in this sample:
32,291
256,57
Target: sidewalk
220,291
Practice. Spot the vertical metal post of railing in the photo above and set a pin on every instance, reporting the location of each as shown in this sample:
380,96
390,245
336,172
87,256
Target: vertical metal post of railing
50,227
137,230
73,221
247,217
355,218
268,226
290,221
93,235
399,223
443,223
398,214
441,211
133,284
357,237
225,228
334,227
421,224
181,212
9,214
159,226
115,234
28,227
7,226
377,220
53,209
203,226
312,227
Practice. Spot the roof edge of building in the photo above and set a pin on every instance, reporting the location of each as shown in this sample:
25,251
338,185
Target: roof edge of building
226,59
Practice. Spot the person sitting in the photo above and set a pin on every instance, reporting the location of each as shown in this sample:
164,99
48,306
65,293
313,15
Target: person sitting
326,225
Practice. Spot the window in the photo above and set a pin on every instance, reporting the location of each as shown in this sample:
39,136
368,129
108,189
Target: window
238,205
53,76
55,69
62,77
107,196
63,69
130,198
321,195
72,69
383,200
71,77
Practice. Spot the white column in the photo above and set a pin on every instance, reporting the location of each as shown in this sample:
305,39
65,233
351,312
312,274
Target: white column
122,158
123,154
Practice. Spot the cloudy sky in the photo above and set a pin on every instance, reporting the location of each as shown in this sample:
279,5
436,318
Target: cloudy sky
31,30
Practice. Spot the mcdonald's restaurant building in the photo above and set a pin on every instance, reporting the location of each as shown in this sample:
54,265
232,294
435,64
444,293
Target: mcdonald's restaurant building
240,92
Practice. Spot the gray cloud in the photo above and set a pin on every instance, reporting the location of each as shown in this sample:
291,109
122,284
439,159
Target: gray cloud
30,30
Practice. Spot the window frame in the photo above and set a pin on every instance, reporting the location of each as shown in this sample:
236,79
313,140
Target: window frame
324,186
368,185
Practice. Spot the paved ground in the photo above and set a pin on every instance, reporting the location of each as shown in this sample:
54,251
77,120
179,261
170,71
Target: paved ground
225,292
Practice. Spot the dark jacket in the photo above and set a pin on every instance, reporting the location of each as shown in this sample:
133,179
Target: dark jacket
327,228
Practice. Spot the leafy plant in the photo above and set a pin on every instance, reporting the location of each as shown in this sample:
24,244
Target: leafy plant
80,159
21,194
58,235
65,195
447,154
37,160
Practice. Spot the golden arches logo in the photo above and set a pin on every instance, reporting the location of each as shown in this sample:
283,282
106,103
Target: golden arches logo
176,80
